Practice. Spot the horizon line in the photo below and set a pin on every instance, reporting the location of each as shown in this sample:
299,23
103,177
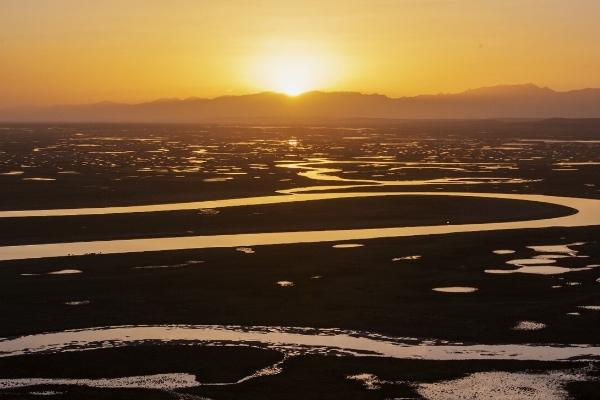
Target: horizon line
295,96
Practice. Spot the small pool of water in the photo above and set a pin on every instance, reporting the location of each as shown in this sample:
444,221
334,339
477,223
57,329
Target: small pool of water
347,245
456,289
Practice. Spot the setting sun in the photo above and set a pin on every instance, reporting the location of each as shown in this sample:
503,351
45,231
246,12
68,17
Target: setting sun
291,74
291,78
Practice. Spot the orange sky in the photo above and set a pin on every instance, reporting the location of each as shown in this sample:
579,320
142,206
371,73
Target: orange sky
74,51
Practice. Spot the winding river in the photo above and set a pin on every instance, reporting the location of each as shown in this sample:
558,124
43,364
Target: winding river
588,214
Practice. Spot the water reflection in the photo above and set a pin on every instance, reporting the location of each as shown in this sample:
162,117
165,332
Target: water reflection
313,169
540,270
294,341
588,214
455,289
539,264
158,381
529,326
503,385
347,245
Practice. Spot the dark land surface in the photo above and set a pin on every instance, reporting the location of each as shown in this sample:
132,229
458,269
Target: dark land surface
359,288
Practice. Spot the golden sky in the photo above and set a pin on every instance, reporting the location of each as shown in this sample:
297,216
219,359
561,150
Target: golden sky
79,51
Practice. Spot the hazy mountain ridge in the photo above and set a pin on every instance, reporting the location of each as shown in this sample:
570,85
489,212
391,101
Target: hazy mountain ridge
502,101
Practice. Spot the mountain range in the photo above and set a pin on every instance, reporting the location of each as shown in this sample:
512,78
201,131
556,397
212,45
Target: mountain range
503,101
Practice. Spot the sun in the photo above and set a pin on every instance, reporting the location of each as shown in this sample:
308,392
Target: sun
292,73
293,76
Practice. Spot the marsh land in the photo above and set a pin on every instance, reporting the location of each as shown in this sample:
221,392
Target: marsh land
413,261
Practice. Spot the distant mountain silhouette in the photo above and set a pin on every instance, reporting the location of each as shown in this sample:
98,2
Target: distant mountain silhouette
503,101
